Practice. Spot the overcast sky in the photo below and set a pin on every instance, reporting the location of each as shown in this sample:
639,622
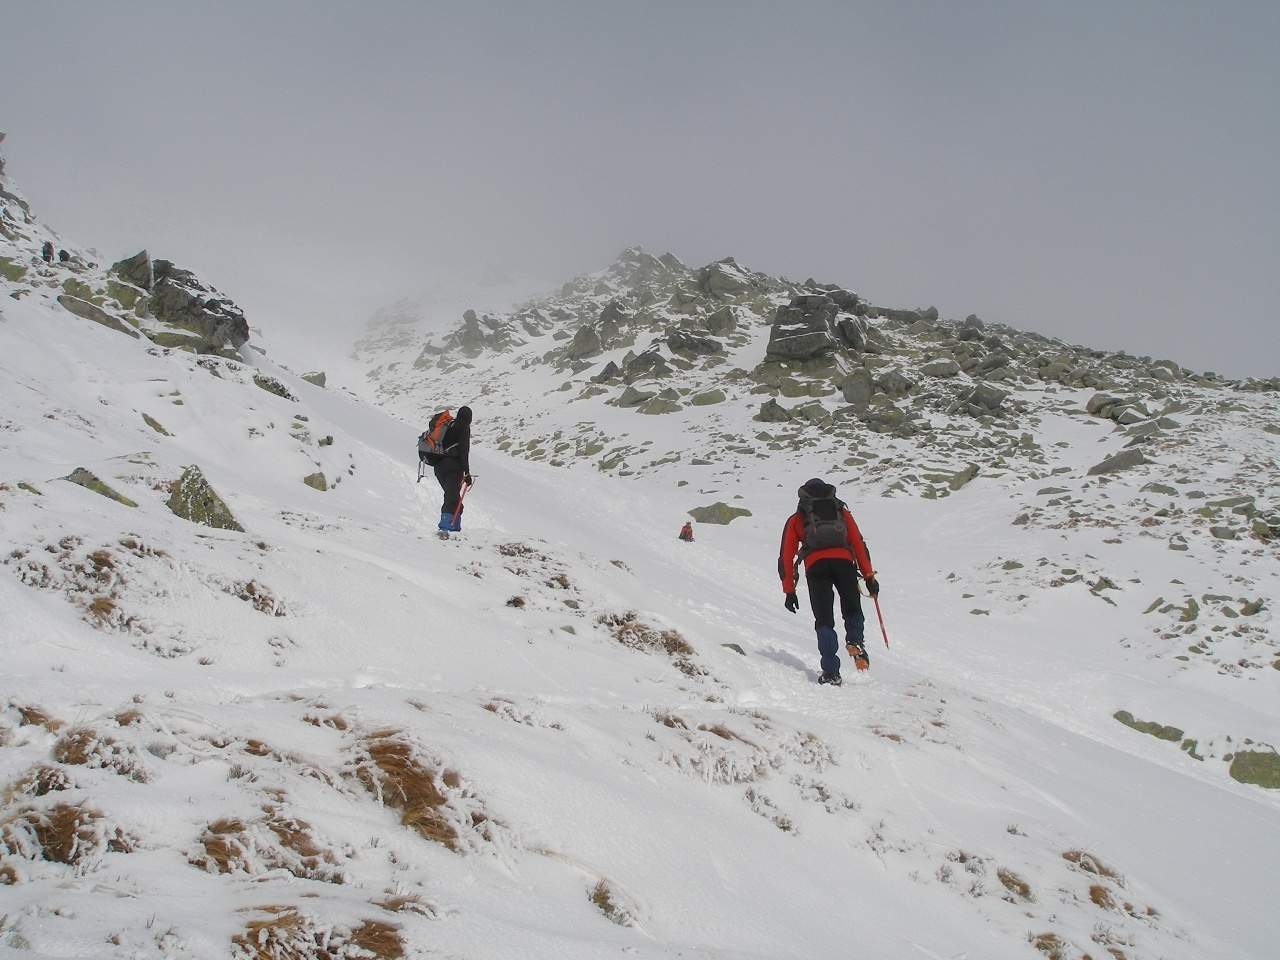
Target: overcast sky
1108,173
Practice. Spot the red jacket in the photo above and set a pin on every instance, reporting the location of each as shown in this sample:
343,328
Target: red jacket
793,539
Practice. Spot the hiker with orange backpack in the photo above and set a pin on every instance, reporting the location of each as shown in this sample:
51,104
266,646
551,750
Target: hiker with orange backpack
824,535
446,447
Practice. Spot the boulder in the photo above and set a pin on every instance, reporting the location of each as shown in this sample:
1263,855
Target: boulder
722,279
894,382
690,347
1121,461
857,389
82,477
803,329
316,377
960,478
586,343
631,397
659,405
86,310
707,398
987,397
135,270
940,368
1099,402
718,512
773,412
722,322
191,498
853,333
178,299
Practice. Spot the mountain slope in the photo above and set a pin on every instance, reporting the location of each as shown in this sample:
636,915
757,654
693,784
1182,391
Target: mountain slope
332,734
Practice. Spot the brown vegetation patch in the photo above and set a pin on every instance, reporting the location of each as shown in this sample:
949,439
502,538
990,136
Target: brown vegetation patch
65,833
517,602
8,875
1014,884
41,781
432,801
632,632
1051,945
258,596
607,899
521,550
1101,897
127,718
84,746
1090,864
35,717
287,934
272,842
408,903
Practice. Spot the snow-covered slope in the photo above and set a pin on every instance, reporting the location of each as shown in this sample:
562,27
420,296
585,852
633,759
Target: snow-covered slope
333,734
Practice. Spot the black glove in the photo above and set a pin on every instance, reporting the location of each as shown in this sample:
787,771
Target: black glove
792,602
466,480
873,586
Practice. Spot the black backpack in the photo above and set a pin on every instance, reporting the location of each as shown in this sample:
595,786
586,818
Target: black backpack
431,448
823,515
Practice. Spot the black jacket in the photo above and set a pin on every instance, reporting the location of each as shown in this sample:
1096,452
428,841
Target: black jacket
457,439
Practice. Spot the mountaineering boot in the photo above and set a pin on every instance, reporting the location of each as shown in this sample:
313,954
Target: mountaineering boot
859,654
445,520
831,678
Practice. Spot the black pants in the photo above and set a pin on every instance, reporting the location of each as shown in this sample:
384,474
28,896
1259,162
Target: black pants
825,578
449,475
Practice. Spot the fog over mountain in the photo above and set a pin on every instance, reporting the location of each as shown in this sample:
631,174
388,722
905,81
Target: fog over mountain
1097,173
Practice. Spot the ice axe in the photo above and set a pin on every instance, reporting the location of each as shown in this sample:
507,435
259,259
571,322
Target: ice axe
465,486
876,599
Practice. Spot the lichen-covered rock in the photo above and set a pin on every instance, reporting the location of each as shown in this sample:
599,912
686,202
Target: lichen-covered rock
1123,460
317,377
1157,730
1255,766
84,478
707,398
631,397
773,412
272,385
659,405
586,343
316,481
135,270
961,477
191,498
719,512
179,300
86,310
940,368
857,389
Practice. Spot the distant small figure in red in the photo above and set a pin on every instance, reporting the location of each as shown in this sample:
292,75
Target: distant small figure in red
686,533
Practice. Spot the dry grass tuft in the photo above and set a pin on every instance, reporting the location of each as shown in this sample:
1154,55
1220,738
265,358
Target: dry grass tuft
1014,884
84,746
35,717
1051,945
399,777
632,632
408,903
606,898
273,842
287,934
8,875
672,720
521,550
1101,897
66,833
127,718
41,781
103,608
259,597
1090,864
517,602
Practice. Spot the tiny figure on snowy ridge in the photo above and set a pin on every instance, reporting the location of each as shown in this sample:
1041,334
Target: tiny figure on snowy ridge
686,532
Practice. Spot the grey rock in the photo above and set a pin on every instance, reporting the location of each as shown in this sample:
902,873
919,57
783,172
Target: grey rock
84,478
135,270
894,382
86,310
318,378
987,397
723,321
586,343
960,478
707,398
631,397
191,498
690,347
179,300
1099,402
659,405
773,412
1121,461
940,368
719,513
857,389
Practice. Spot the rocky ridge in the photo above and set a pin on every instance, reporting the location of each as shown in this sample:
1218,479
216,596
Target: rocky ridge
137,296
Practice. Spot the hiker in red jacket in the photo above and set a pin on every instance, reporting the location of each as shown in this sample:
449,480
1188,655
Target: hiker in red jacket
824,535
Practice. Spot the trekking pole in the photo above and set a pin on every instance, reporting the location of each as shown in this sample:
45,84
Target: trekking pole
462,496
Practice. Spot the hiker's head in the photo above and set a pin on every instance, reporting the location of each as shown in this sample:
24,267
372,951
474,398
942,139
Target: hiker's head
464,415
816,485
